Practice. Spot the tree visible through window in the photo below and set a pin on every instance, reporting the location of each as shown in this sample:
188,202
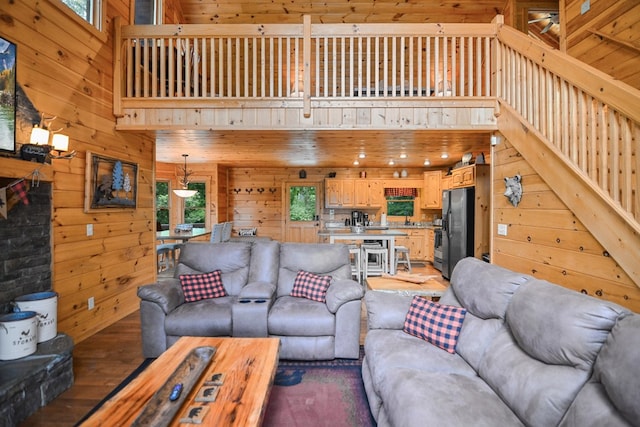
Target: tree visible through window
89,10
162,204
195,208
302,203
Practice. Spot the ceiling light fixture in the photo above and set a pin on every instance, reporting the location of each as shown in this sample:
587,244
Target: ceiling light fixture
356,163
403,156
444,156
391,162
362,155
184,192
427,162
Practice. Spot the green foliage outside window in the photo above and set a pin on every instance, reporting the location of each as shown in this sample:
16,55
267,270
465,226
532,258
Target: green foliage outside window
195,207
302,203
81,7
162,203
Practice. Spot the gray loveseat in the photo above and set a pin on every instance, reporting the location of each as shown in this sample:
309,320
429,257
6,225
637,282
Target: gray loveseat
258,277
529,353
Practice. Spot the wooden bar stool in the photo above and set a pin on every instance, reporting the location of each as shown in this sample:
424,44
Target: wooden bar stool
402,257
356,262
379,263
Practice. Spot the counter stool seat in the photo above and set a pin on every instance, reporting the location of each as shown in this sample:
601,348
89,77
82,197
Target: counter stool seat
379,261
402,257
356,262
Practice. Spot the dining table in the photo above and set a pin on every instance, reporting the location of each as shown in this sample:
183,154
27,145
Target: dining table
386,237
183,236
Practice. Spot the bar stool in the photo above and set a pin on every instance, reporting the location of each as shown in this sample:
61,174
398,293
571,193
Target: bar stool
164,252
404,252
380,263
356,263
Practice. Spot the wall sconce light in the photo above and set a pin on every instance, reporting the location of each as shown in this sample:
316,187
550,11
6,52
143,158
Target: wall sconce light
39,149
184,192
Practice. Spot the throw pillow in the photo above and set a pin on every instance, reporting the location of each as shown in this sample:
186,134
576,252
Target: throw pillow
202,286
438,324
311,286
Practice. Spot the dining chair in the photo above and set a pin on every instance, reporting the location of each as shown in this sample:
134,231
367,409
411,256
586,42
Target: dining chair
226,231
216,234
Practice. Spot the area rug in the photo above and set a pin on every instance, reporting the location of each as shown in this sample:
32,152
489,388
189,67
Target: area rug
305,394
318,394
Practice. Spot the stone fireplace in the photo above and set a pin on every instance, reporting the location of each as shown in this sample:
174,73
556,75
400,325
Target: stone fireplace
32,381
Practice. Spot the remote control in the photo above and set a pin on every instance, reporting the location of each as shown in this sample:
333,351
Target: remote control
175,393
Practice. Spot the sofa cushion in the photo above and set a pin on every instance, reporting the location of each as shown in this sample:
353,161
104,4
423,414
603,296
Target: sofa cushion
543,358
438,324
202,286
321,258
291,316
204,318
310,286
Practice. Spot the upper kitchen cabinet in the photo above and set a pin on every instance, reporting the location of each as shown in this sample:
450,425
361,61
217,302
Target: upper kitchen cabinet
466,175
432,194
339,193
368,193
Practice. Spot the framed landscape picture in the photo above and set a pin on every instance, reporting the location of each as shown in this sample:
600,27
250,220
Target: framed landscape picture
7,96
110,184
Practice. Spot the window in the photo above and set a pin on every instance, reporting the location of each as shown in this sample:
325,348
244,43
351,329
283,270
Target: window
89,10
147,12
302,203
195,207
162,205
400,206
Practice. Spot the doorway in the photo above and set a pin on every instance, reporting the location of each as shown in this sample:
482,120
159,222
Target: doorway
302,211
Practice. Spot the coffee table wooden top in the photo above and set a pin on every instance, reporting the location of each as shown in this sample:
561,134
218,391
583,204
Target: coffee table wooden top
430,288
249,365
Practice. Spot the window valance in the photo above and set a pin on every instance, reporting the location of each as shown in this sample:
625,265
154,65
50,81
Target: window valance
400,192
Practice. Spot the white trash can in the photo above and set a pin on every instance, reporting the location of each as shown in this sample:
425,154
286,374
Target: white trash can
46,305
18,334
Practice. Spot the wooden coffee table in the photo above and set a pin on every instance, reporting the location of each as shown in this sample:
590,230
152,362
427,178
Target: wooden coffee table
249,365
430,288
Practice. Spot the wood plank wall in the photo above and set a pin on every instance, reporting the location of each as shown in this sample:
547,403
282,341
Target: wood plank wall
606,37
547,241
65,70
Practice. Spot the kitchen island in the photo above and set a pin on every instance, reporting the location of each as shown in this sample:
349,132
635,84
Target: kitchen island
387,237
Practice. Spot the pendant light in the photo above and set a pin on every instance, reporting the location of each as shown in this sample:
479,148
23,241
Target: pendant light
184,192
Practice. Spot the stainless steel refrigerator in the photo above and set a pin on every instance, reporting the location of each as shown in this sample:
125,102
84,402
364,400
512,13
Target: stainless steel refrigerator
457,227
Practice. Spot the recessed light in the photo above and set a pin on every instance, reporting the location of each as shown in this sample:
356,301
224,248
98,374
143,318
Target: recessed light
427,162
403,156
355,162
362,155
444,156
391,163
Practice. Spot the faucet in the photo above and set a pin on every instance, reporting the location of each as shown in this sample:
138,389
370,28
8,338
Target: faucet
406,220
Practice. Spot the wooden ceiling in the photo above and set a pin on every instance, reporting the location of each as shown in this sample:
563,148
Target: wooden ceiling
336,148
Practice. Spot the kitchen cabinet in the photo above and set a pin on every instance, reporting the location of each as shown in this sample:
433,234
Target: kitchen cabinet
353,193
446,183
466,175
415,241
432,193
429,243
368,193
339,193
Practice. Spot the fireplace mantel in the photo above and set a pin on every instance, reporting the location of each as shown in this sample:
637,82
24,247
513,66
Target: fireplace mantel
16,168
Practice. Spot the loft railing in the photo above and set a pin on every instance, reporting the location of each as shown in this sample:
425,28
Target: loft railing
321,61
592,119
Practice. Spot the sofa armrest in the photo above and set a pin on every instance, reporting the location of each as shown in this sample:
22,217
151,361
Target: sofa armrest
257,290
386,310
168,295
342,291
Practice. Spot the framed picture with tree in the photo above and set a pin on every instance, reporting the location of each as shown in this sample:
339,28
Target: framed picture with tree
110,184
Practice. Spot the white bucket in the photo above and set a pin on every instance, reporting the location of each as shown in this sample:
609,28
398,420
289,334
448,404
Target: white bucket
18,335
46,305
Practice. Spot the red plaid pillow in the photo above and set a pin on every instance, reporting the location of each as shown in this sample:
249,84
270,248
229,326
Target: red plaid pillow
202,286
438,324
310,286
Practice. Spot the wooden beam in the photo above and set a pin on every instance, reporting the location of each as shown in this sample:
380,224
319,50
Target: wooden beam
614,228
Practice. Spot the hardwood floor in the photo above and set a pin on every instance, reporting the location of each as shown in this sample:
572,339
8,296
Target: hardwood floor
102,361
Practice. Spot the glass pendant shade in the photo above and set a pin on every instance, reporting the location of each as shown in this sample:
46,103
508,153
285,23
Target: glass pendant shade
184,193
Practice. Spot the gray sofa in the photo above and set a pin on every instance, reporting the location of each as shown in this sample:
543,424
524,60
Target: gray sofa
258,277
529,353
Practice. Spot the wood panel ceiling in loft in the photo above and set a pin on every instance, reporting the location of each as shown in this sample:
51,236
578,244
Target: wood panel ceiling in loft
339,11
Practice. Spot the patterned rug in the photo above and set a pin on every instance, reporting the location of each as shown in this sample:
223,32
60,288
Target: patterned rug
314,394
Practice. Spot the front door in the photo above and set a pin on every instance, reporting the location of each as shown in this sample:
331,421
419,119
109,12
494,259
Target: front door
302,211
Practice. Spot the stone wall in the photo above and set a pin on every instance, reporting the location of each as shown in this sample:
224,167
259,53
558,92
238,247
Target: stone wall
25,247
